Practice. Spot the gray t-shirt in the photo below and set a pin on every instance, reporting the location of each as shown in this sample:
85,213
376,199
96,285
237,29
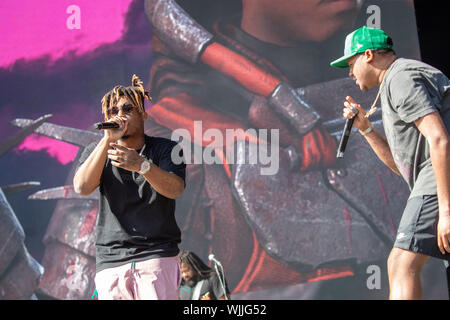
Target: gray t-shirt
413,89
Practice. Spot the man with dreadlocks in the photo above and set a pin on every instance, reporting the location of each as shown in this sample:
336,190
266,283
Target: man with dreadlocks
137,235
200,282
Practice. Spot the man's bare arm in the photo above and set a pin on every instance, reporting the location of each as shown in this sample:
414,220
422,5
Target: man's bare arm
376,141
88,175
165,183
381,148
434,130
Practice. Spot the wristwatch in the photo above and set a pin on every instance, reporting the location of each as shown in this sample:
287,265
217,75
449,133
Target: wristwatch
369,129
145,167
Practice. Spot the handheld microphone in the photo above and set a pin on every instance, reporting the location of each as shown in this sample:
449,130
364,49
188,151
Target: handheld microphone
106,125
346,134
211,258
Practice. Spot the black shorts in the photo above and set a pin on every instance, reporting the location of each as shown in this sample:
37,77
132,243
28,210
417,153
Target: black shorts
418,227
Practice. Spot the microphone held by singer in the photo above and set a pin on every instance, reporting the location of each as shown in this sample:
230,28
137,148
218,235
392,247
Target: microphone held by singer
345,134
106,125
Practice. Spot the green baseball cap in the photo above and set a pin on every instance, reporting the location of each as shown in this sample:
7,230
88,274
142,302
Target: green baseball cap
359,41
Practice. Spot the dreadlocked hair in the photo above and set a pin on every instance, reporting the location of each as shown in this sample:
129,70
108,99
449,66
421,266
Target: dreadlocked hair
134,93
197,265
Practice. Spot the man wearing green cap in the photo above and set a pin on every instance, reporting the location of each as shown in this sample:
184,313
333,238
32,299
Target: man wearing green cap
415,103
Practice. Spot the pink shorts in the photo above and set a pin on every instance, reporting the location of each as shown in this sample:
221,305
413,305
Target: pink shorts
152,279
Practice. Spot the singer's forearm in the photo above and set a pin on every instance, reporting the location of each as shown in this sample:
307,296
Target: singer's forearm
165,183
88,175
434,130
381,148
440,158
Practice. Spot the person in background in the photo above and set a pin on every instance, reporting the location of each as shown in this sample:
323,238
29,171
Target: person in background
200,282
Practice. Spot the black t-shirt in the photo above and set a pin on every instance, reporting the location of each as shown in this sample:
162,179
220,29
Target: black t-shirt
211,285
134,221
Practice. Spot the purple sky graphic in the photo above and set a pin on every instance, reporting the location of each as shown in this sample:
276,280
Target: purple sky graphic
47,68
47,44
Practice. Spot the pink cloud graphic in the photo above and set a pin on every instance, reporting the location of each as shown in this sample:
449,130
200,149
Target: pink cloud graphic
61,151
33,28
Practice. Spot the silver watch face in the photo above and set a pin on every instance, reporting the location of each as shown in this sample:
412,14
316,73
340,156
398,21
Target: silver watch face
145,166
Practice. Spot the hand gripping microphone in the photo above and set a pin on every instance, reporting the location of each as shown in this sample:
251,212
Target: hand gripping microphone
346,134
106,125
